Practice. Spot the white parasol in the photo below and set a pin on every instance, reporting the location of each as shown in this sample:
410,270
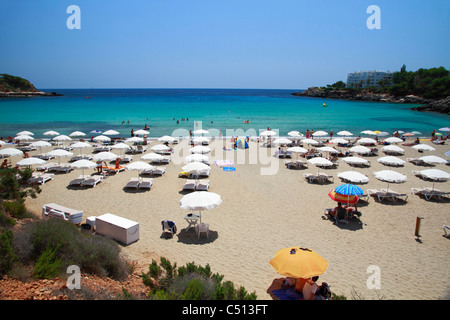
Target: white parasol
353,176
200,200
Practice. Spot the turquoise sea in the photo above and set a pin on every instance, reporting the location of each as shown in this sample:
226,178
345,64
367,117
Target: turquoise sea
176,111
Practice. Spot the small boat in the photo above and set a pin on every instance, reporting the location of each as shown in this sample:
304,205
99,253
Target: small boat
87,97
325,105
247,121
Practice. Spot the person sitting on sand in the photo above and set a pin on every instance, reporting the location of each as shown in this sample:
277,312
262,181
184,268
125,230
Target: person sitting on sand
5,164
310,288
339,211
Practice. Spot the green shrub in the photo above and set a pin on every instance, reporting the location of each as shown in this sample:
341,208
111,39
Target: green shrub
15,208
7,256
48,265
93,254
190,282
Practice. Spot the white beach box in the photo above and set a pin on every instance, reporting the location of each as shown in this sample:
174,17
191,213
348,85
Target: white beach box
91,221
56,211
117,228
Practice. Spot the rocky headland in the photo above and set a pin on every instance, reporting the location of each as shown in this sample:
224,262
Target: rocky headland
440,106
13,86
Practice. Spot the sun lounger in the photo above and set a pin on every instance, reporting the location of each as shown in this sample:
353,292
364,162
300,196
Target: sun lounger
66,168
56,211
46,166
429,193
40,178
92,181
159,171
190,184
202,185
378,194
446,230
395,195
101,149
133,183
78,181
81,157
145,183
110,170
44,156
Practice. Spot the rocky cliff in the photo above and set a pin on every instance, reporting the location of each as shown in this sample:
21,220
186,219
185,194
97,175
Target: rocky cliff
441,106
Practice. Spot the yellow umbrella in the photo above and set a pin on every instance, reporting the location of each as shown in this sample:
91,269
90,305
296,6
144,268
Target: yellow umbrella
298,262
377,132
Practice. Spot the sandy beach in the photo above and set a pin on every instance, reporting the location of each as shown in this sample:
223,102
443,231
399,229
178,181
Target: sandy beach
262,213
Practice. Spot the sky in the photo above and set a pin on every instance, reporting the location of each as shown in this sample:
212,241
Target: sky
253,44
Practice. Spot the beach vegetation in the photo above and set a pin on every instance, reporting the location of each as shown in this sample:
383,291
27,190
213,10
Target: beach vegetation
190,282
7,255
50,246
9,83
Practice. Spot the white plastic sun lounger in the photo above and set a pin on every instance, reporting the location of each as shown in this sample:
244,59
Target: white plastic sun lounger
41,178
78,181
202,185
190,184
133,183
395,195
56,211
145,183
92,181
159,171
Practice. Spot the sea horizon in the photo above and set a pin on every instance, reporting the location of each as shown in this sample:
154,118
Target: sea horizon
176,111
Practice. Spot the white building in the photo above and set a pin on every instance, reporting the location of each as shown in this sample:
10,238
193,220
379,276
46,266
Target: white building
364,79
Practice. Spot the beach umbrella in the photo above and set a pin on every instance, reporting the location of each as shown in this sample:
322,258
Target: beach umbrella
423,147
310,141
110,133
327,149
320,162
196,157
394,149
139,166
393,140
77,134
382,133
367,141
297,150
195,167
416,132
408,134
282,141
339,141
23,137
445,129
391,161
353,176
433,160
199,149
355,160
167,139
25,133
40,144
295,134
59,153
447,153
135,140
28,162
343,198
200,201
101,138
96,131
435,175
140,132
105,156
200,140
62,137
298,262
368,132
160,148
319,133
2,143
201,131
83,164
80,145
10,152
51,133
359,150
120,145
344,133
390,176
268,133
152,157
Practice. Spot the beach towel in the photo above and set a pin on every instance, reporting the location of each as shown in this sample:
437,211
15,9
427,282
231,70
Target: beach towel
224,163
229,169
288,294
